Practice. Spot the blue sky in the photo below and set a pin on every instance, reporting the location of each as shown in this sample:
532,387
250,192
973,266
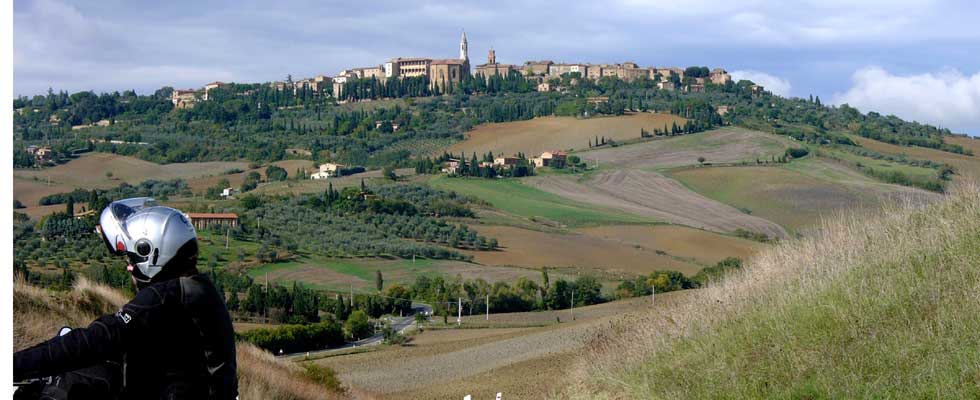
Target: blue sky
918,59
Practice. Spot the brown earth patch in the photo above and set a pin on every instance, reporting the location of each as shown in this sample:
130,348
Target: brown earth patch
529,248
558,133
703,246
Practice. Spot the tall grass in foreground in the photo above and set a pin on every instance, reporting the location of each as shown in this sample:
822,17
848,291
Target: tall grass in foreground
873,306
39,313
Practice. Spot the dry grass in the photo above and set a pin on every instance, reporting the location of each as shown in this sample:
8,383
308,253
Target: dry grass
262,376
39,313
882,305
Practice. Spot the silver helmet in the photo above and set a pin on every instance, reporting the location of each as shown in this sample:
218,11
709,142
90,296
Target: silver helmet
153,237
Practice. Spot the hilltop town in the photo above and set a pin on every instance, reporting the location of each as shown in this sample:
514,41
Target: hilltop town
441,75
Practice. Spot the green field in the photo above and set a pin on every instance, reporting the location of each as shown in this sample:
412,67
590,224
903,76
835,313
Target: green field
511,196
339,274
211,244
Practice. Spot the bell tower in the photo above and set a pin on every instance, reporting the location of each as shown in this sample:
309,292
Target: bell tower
463,53
492,57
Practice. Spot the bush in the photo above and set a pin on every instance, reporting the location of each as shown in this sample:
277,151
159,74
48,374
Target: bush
797,152
326,377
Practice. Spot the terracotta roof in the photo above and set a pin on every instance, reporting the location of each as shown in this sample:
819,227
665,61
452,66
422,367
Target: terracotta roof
213,215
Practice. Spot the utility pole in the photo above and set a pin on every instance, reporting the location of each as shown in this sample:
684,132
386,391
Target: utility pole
572,306
352,296
459,315
226,237
267,296
488,307
653,293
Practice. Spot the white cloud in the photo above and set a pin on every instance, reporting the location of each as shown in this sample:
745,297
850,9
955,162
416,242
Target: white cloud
947,98
772,83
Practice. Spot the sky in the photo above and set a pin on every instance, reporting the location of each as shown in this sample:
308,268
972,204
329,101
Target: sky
917,59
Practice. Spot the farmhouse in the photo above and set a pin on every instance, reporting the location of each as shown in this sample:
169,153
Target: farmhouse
505,161
209,220
327,170
451,166
550,158
210,86
228,192
722,110
41,154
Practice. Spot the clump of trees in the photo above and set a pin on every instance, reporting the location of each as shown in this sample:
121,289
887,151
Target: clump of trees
160,190
296,338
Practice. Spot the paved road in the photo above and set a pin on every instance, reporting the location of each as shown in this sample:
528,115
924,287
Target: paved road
400,324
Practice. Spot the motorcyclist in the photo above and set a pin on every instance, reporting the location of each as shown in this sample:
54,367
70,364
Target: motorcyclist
174,340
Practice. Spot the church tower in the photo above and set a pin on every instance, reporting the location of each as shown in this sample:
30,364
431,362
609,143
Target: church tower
463,54
492,57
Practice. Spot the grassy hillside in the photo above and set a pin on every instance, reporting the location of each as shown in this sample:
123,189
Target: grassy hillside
794,195
877,306
39,313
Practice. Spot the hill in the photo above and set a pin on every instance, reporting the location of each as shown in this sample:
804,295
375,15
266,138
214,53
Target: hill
39,313
882,305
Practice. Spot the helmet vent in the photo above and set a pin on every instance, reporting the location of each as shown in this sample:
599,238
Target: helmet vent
143,248
156,254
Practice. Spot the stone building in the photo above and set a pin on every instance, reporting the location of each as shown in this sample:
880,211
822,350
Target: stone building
719,76
536,68
183,98
492,68
556,70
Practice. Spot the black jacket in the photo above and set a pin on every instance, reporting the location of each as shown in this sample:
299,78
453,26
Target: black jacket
175,340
